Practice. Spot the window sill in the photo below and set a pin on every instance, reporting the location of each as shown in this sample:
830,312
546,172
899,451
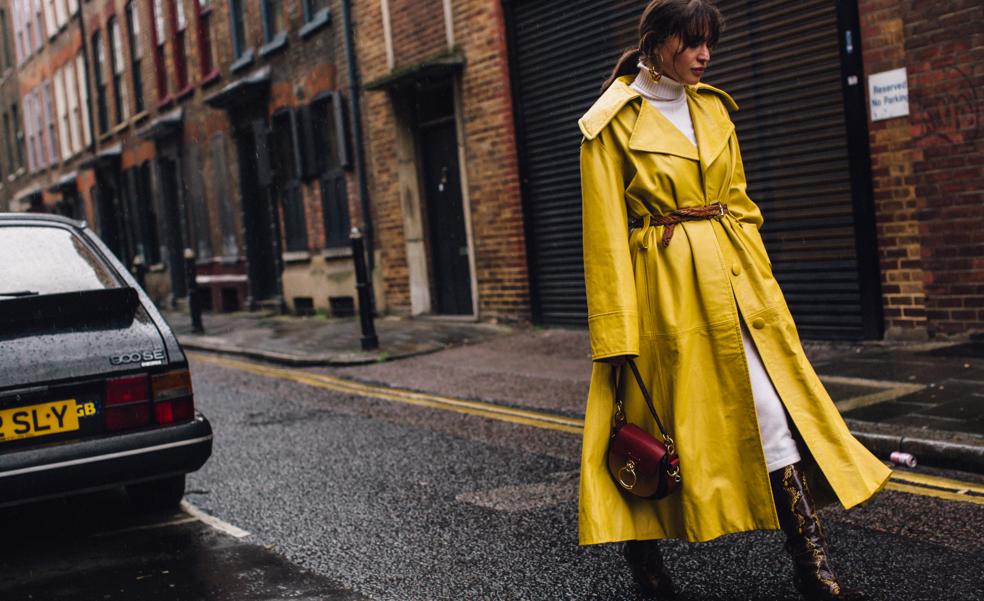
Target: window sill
245,60
165,102
297,256
184,92
210,78
317,22
278,43
157,268
139,117
119,127
338,252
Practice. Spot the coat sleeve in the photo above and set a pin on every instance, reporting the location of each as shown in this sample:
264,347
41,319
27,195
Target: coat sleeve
613,314
737,194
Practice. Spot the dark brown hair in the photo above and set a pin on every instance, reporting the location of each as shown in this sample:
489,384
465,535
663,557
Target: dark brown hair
695,21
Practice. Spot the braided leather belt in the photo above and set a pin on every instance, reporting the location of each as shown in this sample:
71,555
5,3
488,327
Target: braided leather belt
672,218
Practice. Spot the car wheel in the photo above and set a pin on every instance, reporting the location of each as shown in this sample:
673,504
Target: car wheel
155,495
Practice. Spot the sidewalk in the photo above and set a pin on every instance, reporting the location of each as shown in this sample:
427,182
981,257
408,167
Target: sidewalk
926,399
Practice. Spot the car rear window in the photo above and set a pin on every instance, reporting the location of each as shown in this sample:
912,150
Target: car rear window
49,260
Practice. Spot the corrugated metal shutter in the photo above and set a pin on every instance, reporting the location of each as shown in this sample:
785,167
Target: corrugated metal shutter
780,60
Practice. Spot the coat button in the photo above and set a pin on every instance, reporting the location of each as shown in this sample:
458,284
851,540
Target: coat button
736,269
758,323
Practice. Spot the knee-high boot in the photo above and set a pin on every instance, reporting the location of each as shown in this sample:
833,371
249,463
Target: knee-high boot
805,541
648,570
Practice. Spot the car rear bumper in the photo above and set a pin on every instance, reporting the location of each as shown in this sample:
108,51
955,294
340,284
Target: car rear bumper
33,474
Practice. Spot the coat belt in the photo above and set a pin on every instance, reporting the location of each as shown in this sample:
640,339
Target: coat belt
669,220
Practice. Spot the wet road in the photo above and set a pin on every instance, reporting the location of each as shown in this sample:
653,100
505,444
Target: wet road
408,497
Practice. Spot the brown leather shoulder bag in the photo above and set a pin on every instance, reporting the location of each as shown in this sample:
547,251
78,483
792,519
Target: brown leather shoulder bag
641,465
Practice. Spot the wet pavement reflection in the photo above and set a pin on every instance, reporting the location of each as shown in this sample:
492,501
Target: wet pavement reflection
95,547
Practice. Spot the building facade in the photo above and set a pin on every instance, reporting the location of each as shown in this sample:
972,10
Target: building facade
443,158
234,130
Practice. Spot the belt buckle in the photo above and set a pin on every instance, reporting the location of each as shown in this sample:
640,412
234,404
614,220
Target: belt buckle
722,210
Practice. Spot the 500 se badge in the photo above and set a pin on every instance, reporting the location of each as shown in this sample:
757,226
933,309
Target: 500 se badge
144,358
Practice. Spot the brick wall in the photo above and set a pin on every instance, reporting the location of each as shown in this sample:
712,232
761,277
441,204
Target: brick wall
927,167
490,163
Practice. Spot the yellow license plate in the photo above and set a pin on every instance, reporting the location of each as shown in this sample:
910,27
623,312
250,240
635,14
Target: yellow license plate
38,420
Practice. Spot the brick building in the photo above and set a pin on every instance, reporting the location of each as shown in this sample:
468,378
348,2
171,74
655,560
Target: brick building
192,124
230,128
11,148
928,166
442,156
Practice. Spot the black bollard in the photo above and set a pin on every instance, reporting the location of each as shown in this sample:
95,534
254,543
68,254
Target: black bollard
364,288
139,271
194,305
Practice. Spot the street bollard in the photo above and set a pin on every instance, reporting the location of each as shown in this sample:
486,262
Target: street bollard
139,271
194,306
364,288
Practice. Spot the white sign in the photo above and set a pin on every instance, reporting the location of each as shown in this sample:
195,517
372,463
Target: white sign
889,94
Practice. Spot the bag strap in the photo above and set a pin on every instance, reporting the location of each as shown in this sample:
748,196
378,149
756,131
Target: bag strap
620,398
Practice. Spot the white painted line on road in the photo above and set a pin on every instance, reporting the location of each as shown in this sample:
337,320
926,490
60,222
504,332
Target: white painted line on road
213,521
891,391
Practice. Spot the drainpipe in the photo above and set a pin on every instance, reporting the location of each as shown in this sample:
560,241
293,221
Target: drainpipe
356,114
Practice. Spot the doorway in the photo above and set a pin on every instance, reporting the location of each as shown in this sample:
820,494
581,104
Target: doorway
443,201
259,221
168,169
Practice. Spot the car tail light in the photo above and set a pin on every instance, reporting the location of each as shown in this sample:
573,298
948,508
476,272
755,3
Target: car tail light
126,403
173,398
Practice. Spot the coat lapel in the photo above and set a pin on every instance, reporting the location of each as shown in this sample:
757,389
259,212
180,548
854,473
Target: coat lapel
653,132
711,125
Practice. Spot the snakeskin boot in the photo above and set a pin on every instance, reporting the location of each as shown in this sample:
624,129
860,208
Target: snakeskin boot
805,541
648,570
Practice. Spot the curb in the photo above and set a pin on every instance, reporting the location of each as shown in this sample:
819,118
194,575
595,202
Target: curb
933,447
348,358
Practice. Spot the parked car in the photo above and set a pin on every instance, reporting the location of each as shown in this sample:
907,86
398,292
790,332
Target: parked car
95,390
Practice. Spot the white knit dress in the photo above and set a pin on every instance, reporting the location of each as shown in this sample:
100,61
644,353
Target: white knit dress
670,98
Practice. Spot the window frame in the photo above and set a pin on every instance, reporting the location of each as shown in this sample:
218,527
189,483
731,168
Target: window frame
273,40
179,54
117,69
50,125
61,108
314,18
134,40
206,51
81,77
98,66
8,60
158,37
72,107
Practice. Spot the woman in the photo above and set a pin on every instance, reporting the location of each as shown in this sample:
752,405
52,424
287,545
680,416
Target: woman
678,279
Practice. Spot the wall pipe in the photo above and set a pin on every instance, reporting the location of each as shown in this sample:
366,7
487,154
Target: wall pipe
356,115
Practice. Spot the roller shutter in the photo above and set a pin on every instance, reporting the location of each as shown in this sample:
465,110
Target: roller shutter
781,61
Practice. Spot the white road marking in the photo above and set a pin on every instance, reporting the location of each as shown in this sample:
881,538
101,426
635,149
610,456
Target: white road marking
213,521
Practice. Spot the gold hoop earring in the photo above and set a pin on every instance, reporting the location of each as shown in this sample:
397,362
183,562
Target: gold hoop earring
654,73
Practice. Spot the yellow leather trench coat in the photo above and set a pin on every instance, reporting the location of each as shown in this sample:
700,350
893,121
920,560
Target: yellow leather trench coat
677,309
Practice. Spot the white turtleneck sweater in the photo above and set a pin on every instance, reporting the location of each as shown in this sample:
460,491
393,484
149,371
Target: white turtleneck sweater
669,97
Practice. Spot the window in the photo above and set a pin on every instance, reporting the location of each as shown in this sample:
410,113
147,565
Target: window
99,66
72,107
237,13
28,29
286,184
17,6
19,137
8,143
116,67
203,12
51,27
273,19
148,216
61,105
50,124
73,6
51,260
61,14
179,25
158,36
329,150
4,41
84,116
136,54
38,42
